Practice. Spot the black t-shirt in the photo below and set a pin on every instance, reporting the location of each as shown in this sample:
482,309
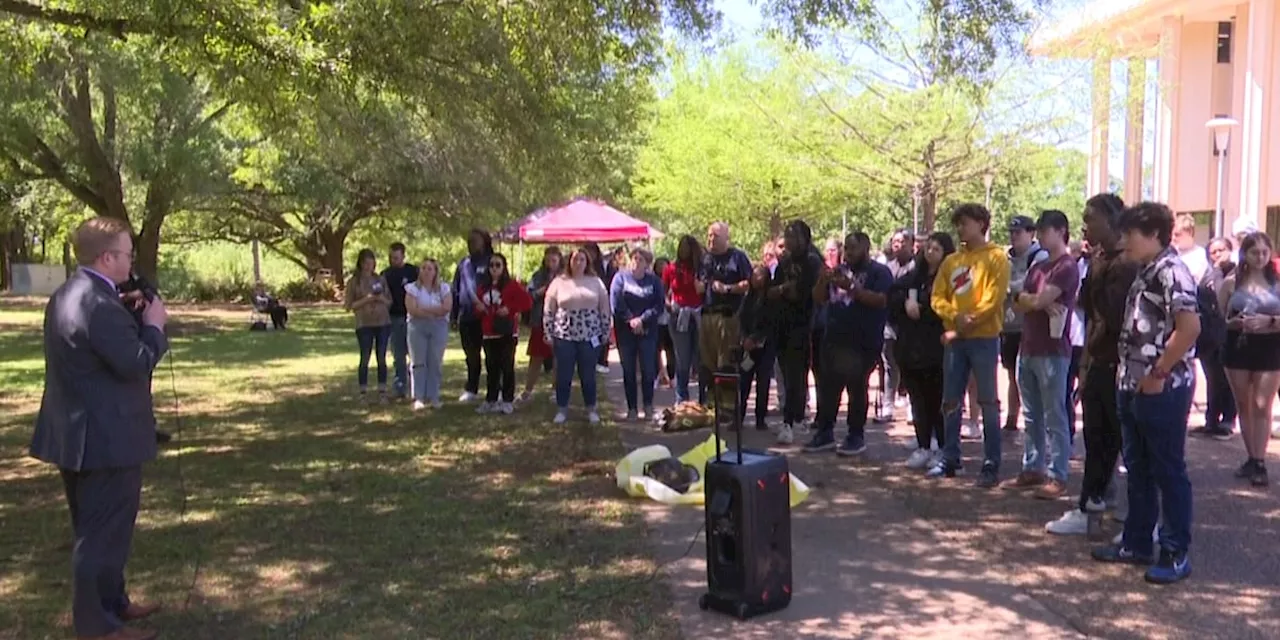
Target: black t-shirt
397,278
802,271
731,267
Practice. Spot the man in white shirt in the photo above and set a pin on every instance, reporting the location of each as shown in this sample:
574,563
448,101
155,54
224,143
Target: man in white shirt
1191,254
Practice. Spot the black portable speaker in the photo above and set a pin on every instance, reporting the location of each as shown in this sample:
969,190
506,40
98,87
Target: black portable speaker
748,516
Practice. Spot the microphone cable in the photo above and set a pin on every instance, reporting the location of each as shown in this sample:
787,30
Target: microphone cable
180,442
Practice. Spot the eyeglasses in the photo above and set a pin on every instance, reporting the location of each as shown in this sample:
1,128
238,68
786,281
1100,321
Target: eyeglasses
131,255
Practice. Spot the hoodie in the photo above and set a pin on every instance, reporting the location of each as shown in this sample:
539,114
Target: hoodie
471,274
973,281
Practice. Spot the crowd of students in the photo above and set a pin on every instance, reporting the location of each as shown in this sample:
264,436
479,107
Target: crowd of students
1113,320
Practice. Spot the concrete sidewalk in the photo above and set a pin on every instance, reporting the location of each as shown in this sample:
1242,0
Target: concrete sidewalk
881,552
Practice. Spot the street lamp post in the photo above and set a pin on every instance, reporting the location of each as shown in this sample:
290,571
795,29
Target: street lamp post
1221,128
988,179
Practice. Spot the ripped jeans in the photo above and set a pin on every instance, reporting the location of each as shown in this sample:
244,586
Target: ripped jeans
977,357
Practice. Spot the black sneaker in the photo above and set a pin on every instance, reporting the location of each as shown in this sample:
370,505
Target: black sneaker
1217,433
853,445
1200,432
1245,471
1120,554
761,424
823,440
988,477
1259,477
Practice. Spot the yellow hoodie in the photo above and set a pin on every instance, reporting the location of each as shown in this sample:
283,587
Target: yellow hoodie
973,281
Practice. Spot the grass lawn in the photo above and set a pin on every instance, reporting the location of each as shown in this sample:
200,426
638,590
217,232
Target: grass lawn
312,516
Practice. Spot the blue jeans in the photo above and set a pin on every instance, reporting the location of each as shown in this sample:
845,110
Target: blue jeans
1042,383
1154,429
400,349
687,357
578,355
427,340
644,348
370,338
962,358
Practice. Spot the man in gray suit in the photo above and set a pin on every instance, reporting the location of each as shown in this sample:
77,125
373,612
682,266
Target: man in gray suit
96,421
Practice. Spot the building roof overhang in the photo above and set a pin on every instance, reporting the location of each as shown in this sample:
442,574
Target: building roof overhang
1120,28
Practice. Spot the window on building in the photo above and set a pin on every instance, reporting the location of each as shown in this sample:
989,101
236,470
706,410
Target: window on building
1224,42
1272,226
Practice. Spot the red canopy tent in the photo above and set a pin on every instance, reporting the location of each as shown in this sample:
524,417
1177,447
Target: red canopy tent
585,221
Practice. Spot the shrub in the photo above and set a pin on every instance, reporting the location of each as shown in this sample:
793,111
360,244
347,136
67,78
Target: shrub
308,291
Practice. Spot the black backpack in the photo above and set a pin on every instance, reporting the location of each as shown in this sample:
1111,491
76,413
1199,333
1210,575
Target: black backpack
1213,324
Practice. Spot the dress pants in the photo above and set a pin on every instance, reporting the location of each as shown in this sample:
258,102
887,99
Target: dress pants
104,507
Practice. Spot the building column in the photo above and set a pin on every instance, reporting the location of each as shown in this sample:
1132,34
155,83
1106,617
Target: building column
1133,129
1167,111
1100,129
1256,131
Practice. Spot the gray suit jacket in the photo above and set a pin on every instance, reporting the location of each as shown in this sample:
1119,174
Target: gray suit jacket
96,412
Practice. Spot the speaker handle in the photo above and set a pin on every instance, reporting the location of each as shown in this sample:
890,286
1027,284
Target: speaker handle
718,378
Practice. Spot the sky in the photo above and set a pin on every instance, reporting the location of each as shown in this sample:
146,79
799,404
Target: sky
743,21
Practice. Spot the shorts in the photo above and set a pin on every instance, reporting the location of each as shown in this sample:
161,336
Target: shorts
538,347
1251,351
1009,343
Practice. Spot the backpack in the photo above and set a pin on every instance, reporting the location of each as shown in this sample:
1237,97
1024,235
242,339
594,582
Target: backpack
1213,324
1035,253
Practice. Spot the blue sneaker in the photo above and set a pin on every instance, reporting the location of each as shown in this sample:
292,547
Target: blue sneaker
1120,554
853,445
1172,567
823,440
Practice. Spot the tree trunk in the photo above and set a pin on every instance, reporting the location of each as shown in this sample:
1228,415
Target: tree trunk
928,211
322,249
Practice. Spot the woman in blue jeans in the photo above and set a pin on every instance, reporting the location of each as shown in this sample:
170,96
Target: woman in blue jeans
680,278
637,298
428,301
575,316
367,297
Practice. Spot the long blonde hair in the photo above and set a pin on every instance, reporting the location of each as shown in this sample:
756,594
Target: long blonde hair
432,286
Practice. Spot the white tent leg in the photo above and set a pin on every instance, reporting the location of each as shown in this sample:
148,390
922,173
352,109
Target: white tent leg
520,258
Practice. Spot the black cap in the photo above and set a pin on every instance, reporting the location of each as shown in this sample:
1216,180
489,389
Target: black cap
1024,223
1053,219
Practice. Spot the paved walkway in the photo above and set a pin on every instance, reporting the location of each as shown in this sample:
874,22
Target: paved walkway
881,552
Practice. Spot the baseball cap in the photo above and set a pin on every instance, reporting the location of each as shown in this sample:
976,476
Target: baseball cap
1053,219
1243,226
1025,223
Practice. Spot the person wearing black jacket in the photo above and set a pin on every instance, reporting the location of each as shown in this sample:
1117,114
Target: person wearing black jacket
791,290
471,274
756,322
918,349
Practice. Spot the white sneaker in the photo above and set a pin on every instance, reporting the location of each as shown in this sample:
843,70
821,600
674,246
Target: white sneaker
485,407
900,402
506,408
1072,523
602,369
468,397
970,431
802,428
786,434
885,414
918,459
593,417
560,418
419,405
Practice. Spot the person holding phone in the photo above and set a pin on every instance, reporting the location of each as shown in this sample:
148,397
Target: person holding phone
368,298
499,304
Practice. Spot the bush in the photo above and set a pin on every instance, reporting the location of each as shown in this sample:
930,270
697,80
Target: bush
308,291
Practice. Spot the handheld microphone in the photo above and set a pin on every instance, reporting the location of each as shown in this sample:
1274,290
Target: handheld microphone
141,285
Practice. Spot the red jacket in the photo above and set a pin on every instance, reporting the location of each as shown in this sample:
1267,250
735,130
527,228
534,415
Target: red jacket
513,297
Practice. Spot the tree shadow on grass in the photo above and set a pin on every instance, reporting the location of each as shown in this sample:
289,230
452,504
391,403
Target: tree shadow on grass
312,515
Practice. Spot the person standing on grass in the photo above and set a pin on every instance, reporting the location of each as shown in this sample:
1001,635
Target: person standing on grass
1102,297
1251,300
680,278
539,349
471,274
969,297
919,348
637,297
1156,376
726,273
1047,302
666,345
791,290
368,298
428,302
576,315
397,276
97,423
499,305
856,295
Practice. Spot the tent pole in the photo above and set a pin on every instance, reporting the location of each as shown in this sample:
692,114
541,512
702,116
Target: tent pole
520,257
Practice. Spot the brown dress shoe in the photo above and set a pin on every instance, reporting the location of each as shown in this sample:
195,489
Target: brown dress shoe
136,611
125,633
1024,480
1051,490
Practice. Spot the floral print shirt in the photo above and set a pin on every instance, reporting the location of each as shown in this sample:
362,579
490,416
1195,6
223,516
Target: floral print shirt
1163,289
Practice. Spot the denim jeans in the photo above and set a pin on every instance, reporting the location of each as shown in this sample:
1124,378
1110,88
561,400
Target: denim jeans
687,357
372,340
1042,383
642,348
579,355
427,341
1155,447
399,353
963,358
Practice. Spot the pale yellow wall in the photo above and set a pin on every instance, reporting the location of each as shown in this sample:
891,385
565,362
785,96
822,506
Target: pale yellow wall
1192,188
